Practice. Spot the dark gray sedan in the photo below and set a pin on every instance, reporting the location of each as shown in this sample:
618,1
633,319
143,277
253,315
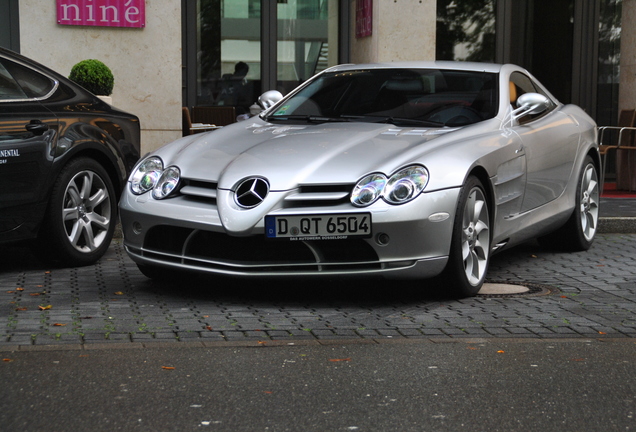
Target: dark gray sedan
64,159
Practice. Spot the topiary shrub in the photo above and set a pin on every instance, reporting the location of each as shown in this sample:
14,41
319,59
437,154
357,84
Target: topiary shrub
94,76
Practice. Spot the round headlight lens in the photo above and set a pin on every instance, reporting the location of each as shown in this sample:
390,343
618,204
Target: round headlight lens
146,175
368,190
406,184
167,183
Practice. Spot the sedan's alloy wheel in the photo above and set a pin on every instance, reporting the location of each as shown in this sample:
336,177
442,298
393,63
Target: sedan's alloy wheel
86,211
80,218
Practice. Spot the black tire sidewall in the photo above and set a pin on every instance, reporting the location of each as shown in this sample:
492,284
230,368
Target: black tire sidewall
53,237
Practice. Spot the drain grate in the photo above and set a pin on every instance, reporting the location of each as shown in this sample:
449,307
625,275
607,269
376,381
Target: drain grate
508,289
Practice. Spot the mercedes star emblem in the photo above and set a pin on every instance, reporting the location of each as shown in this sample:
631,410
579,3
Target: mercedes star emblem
251,192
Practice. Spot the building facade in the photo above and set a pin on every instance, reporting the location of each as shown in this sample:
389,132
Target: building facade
227,52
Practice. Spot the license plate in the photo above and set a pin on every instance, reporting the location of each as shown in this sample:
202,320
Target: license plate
318,227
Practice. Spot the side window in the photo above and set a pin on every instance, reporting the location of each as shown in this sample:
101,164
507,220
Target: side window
9,88
520,84
34,84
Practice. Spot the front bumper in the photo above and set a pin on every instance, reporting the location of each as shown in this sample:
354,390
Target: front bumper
408,241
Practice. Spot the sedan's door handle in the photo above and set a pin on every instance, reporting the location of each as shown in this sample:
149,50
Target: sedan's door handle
36,127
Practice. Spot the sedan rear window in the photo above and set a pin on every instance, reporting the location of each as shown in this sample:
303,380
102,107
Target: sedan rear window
33,84
9,88
408,96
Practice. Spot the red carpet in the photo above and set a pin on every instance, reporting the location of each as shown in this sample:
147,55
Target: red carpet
609,191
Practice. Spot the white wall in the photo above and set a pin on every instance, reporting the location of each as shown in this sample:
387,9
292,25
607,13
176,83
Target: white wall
403,30
146,62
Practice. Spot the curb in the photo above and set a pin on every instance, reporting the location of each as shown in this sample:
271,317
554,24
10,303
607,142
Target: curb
301,342
617,225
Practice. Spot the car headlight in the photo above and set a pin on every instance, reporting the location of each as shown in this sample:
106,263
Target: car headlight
167,182
368,190
401,187
406,184
146,175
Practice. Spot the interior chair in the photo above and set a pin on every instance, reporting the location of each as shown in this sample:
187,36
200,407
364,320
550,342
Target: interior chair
215,115
187,123
620,137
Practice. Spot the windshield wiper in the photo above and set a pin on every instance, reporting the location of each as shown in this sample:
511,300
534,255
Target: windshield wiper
407,121
307,118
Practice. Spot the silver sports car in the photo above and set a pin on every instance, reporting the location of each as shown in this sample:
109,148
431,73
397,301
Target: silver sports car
405,170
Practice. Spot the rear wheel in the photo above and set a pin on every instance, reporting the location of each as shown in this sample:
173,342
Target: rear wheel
578,232
81,216
470,244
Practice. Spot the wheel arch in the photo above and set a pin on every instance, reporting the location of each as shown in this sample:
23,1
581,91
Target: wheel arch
481,173
117,177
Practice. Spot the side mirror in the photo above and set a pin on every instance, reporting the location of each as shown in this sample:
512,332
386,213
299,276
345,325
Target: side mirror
531,103
269,99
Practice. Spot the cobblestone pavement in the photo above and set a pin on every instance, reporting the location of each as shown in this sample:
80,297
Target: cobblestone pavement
578,295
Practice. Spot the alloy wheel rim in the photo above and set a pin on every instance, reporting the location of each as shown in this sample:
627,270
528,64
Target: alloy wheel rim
86,212
475,237
588,204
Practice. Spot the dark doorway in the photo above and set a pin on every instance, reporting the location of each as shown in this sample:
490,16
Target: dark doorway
9,25
549,45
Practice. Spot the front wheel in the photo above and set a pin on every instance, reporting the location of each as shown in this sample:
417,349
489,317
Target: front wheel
470,243
81,215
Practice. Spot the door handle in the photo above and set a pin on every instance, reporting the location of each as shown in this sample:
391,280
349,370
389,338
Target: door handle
36,127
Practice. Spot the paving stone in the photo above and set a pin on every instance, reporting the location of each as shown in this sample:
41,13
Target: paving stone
596,297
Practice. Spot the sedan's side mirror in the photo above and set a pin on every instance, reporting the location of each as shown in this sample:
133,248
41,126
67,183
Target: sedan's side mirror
530,104
269,99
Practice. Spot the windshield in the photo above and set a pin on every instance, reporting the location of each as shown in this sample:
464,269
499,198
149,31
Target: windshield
400,96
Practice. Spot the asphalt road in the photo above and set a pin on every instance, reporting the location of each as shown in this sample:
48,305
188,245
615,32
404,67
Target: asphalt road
492,385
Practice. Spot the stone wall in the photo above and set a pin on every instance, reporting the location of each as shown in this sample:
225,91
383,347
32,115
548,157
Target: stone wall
146,62
403,30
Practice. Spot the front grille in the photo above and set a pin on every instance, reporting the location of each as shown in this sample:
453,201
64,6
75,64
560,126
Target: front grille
255,254
303,197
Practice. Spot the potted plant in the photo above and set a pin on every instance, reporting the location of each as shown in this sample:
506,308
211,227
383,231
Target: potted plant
95,77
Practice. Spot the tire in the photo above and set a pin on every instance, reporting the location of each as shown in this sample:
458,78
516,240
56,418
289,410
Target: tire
81,215
578,232
470,242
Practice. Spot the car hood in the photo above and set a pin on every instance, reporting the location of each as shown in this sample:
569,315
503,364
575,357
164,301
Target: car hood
292,155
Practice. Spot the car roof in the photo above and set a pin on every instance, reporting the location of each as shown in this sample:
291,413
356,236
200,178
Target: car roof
449,65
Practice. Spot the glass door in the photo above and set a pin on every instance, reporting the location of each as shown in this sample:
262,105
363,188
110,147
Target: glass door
228,53
307,40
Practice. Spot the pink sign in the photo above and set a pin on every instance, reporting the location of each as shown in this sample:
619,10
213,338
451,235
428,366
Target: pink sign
106,13
364,18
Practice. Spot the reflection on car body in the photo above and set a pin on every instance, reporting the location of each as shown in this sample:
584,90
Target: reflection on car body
444,163
64,158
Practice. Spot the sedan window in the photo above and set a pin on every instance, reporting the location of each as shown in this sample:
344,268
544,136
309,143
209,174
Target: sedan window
34,84
9,88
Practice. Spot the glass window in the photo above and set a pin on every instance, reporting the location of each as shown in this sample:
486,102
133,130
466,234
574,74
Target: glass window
229,53
9,88
609,50
466,30
34,84
406,96
520,84
307,40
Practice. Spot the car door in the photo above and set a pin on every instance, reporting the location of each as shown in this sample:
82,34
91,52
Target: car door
27,140
550,140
